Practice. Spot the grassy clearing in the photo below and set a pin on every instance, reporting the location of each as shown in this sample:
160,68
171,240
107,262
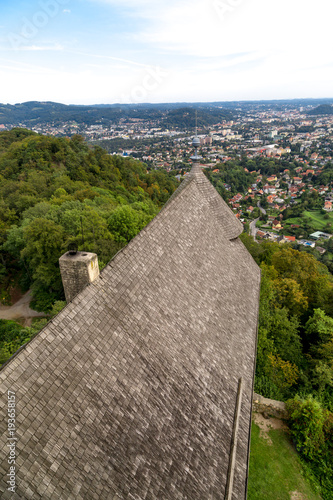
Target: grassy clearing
276,470
293,220
318,219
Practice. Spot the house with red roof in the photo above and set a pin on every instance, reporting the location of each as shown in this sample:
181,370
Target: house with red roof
328,206
271,198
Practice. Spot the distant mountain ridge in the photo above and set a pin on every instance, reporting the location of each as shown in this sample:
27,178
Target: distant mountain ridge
33,112
167,115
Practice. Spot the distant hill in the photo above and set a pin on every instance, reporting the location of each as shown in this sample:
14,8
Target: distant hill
323,109
167,115
33,112
185,117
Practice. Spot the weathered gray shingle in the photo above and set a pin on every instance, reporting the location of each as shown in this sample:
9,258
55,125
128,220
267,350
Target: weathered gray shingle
130,392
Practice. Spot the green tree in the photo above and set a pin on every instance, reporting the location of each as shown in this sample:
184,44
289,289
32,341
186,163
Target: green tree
12,336
283,330
44,244
319,328
319,332
290,295
314,279
307,426
125,223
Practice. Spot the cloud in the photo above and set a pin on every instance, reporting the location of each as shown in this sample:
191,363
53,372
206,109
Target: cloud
67,11
252,50
250,79
205,28
176,32
108,57
135,4
38,48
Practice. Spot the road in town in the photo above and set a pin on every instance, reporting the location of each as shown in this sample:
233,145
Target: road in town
253,229
262,210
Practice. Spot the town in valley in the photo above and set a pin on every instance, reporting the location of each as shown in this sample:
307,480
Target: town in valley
270,160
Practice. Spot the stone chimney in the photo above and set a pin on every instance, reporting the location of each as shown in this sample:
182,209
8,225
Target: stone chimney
78,269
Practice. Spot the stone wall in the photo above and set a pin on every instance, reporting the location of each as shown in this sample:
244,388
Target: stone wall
269,406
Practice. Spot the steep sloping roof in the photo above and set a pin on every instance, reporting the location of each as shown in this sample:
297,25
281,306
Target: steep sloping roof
130,392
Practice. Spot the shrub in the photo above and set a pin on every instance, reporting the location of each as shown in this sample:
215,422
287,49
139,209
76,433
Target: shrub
265,387
306,423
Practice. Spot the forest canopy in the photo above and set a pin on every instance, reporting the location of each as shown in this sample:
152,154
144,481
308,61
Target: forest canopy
57,191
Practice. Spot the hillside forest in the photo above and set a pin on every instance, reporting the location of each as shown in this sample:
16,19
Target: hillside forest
59,191
55,192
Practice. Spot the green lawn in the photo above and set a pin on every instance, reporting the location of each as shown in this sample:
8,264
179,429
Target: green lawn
318,222
276,470
318,219
260,223
293,220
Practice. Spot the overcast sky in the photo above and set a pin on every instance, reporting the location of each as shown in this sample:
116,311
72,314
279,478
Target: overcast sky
107,51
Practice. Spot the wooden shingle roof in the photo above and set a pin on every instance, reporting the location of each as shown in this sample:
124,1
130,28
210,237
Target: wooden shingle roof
130,392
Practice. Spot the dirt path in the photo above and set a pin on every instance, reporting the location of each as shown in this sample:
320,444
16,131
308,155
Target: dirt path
21,311
266,424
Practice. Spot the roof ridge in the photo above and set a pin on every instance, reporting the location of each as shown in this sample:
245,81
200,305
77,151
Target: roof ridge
229,222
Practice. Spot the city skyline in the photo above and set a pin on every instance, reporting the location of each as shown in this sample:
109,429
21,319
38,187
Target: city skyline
132,51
